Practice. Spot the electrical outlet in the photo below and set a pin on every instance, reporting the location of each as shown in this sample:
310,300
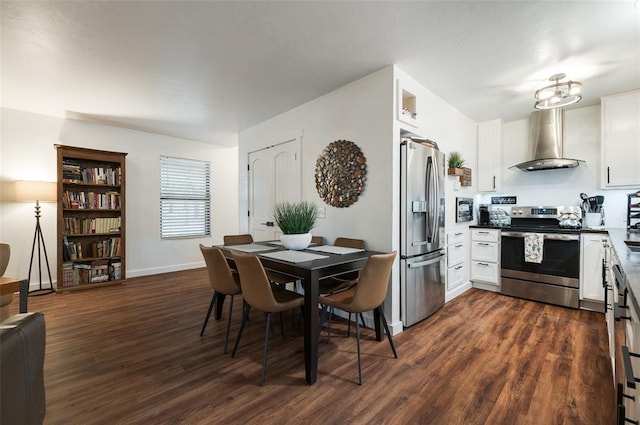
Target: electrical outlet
322,212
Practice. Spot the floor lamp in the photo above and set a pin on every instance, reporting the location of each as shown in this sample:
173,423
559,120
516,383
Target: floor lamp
45,192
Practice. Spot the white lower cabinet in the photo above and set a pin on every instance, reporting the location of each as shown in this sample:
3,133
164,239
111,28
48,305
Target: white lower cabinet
456,256
485,258
592,253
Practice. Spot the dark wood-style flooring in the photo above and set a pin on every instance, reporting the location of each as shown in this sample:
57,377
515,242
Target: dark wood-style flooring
132,354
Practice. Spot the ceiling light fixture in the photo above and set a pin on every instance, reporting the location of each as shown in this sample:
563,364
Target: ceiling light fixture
558,94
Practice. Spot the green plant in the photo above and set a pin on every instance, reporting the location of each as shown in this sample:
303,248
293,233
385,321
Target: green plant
455,160
295,218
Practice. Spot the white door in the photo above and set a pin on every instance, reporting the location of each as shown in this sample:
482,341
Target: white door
274,176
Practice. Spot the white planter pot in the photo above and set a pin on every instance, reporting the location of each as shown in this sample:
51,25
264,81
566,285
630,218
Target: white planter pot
297,242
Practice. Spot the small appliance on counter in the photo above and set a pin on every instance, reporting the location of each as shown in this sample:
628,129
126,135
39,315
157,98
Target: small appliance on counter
483,215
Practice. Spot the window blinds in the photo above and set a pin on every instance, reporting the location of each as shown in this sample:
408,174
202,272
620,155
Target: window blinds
185,198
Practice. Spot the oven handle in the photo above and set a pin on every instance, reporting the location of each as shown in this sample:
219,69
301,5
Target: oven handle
551,236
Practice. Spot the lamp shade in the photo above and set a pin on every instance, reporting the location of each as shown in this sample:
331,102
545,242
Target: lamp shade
26,190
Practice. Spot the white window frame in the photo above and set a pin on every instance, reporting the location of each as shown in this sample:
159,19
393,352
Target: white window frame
185,198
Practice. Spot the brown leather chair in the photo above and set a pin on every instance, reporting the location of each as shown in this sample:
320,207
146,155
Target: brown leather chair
317,240
275,277
223,282
346,280
367,295
5,253
260,294
237,239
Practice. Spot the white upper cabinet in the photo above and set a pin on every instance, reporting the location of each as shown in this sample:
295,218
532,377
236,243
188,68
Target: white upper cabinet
621,140
489,155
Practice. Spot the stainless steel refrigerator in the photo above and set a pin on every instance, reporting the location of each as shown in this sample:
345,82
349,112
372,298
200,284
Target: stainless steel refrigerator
422,256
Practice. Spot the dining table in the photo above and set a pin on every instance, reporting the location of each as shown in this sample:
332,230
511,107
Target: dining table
310,266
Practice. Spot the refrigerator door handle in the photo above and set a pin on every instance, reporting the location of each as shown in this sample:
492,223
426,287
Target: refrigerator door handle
430,178
424,263
435,204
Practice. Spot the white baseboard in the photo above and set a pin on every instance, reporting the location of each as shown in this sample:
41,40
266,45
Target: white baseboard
168,269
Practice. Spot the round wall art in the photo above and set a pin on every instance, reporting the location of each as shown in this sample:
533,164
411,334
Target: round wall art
341,171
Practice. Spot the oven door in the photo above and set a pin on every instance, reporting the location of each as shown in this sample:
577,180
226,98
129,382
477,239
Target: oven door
560,259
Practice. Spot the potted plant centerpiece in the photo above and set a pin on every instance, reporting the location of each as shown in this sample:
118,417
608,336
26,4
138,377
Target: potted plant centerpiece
295,220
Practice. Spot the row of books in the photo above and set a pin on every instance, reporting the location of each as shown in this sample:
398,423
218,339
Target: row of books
79,226
96,249
74,274
72,172
91,200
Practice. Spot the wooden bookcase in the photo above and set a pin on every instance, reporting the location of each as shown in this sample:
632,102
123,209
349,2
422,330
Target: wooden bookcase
91,233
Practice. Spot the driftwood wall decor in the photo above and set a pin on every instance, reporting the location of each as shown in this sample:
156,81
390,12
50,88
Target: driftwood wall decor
341,172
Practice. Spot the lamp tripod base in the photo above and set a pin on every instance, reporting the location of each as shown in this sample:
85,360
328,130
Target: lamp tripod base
38,239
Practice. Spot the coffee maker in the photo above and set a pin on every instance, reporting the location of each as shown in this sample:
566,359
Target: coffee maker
483,215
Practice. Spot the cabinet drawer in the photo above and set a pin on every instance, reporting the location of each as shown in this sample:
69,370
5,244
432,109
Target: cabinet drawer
455,254
485,235
455,237
455,276
485,251
484,271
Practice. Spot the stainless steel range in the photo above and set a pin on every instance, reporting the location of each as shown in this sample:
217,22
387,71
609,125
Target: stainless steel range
552,277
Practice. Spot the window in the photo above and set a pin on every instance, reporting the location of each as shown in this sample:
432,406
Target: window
185,198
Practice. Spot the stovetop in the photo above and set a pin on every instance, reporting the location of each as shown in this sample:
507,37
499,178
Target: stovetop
542,229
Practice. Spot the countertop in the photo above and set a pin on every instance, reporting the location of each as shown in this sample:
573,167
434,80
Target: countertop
629,261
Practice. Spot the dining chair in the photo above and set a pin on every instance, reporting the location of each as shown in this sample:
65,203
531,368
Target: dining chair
317,240
223,282
367,295
258,293
5,253
237,239
346,280
275,277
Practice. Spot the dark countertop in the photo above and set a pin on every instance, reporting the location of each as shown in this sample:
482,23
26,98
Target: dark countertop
629,261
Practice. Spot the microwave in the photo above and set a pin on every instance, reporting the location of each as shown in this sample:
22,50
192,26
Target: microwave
464,210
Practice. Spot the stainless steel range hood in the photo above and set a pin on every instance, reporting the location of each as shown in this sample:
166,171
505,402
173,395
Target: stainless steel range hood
546,133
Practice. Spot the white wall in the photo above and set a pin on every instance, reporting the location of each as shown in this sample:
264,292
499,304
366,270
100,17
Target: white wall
561,187
362,112
28,154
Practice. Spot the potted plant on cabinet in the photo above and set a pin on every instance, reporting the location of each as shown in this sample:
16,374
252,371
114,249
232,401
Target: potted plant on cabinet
456,164
295,220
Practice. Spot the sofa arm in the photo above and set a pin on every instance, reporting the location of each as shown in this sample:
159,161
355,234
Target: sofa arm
22,344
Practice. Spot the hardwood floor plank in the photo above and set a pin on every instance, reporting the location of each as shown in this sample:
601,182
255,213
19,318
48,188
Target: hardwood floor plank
132,354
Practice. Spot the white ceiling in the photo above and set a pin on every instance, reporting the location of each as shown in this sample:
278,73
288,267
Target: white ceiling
205,70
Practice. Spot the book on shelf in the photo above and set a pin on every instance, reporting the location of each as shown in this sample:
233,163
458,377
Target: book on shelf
67,275
99,271
81,273
115,270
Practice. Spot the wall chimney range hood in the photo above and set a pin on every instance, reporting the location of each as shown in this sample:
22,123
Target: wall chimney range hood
546,134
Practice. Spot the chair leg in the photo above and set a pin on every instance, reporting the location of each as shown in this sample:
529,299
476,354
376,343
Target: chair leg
386,329
206,319
358,345
266,349
362,318
226,337
322,316
282,325
329,324
349,326
245,317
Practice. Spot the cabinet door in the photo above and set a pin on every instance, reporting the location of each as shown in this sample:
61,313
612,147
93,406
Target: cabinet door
489,156
455,254
591,256
484,272
485,251
455,276
621,140
485,235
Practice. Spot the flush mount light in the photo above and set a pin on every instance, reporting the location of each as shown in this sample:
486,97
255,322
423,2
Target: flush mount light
558,94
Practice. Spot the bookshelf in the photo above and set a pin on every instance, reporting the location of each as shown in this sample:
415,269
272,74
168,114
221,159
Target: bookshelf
91,223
